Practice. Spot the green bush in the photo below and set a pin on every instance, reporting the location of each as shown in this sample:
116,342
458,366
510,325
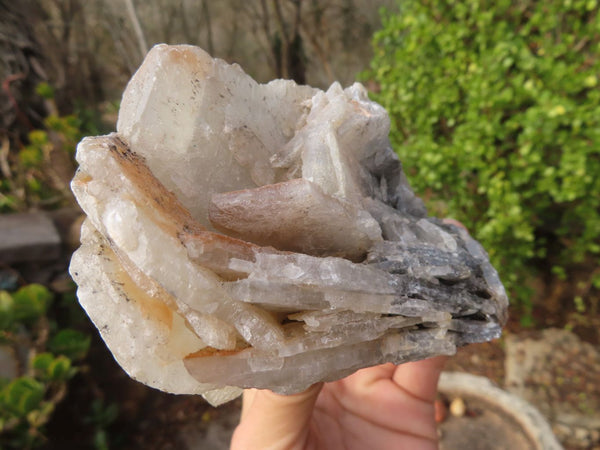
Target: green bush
495,109
27,401
37,173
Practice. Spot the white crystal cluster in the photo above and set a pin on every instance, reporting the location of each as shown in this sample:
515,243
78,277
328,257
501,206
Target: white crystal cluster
264,235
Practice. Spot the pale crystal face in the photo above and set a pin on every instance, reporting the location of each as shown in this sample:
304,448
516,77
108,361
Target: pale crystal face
248,235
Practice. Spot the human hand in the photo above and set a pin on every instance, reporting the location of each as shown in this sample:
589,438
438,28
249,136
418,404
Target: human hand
381,407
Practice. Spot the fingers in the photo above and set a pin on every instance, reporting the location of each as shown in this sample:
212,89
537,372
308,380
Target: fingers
274,421
247,400
420,378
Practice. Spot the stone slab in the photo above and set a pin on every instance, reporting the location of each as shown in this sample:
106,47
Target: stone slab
28,237
558,373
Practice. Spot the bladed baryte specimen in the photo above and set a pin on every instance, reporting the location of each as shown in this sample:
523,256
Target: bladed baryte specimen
264,235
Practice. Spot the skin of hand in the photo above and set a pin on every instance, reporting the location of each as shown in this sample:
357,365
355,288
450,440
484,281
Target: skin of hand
381,407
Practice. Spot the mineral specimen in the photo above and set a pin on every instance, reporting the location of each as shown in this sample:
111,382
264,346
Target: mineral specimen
264,235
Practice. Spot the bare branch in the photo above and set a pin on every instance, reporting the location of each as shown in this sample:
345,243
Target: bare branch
285,40
137,28
207,21
321,54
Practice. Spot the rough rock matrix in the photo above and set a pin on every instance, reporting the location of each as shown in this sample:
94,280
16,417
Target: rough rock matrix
264,235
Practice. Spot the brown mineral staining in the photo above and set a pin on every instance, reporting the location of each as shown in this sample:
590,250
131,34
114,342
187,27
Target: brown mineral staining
293,215
150,191
153,308
209,351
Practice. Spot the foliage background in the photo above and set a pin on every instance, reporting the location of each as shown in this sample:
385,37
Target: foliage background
496,114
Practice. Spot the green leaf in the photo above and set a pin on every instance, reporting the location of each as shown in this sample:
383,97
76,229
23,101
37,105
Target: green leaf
7,312
596,281
71,343
45,90
579,304
559,272
31,156
48,367
39,417
31,302
100,440
60,369
41,363
8,203
22,396
100,415
38,138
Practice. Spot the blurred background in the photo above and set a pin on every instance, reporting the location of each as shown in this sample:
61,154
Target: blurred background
495,109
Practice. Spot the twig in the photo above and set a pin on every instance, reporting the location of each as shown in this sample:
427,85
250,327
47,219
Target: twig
314,42
137,27
4,166
6,88
582,43
207,20
285,40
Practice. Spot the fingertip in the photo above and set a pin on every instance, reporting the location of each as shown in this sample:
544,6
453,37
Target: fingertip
271,420
247,400
304,399
420,378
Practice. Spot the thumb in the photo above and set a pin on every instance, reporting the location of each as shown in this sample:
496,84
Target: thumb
273,421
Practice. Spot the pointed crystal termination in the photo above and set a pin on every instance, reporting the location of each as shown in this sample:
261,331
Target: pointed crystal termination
264,235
